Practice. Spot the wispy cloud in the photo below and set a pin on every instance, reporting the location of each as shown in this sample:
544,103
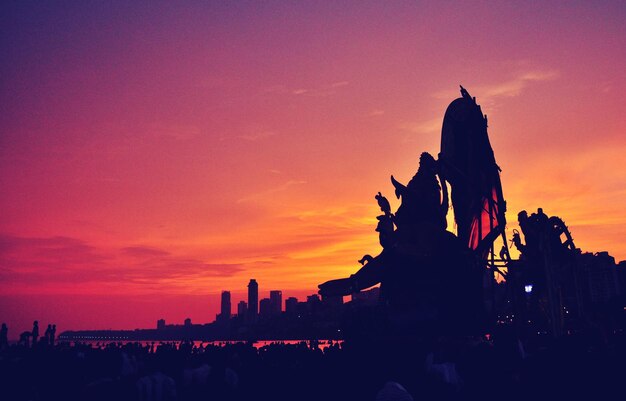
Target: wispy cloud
267,193
422,127
257,136
178,132
67,262
339,84
144,251
512,87
376,112
318,91
516,85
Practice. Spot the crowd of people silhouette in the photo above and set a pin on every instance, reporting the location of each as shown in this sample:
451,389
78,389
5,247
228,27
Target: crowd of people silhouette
488,368
31,338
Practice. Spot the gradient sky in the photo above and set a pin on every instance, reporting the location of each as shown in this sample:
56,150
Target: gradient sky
152,154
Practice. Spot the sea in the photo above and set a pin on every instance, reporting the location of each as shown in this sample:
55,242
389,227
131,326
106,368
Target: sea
322,344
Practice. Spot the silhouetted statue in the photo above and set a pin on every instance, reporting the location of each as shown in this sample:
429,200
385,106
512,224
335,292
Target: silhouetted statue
35,332
385,229
4,336
549,259
467,163
422,201
543,236
423,269
542,218
530,235
385,207
431,281
385,225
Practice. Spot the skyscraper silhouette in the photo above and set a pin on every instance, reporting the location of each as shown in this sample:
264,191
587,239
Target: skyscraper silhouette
265,308
242,309
225,310
291,305
253,300
276,302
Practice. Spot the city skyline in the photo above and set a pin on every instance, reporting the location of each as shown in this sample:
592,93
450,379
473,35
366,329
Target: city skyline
153,155
275,306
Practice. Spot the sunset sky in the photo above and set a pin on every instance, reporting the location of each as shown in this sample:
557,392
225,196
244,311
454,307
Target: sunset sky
154,154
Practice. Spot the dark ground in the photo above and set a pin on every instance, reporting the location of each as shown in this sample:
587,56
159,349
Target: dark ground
575,367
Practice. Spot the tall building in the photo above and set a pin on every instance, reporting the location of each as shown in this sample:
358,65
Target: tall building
291,305
600,277
225,310
253,300
276,302
188,322
313,299
160,324
312,303
242,309
265,308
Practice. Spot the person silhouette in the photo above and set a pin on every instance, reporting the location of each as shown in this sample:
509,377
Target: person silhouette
53,332
4,337
47,334
35,333
25,338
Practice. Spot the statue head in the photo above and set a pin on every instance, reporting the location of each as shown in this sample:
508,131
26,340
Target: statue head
522,216
427,161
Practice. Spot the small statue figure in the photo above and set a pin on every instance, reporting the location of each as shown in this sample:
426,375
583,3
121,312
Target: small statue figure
422,200
385,230
385,207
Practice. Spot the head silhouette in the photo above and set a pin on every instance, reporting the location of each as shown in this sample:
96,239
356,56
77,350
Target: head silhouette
427,161
523,215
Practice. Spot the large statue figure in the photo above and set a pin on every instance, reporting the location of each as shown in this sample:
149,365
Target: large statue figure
424,270
548,267
422,202
469,165
431,280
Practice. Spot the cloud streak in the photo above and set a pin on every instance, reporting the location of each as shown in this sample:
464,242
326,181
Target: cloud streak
512,87
269,192
515,86
424,127
67,262
257,136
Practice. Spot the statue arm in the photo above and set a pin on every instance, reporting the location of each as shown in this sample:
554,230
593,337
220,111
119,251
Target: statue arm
367,276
